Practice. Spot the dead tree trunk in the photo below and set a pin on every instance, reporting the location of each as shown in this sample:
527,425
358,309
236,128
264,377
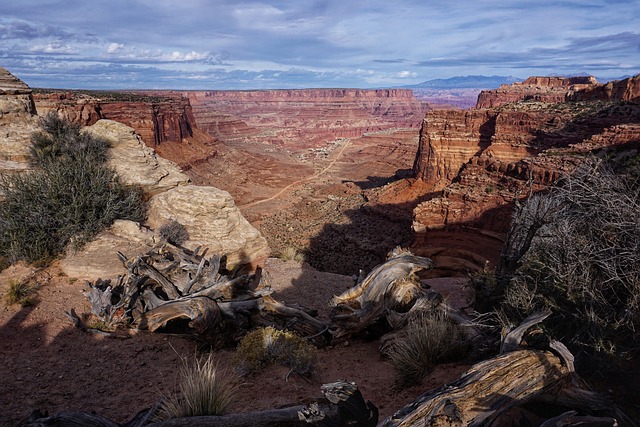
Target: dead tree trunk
487,389
342,405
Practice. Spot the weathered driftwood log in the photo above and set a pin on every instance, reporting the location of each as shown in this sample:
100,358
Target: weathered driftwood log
169,283
389,287
486,390
342,405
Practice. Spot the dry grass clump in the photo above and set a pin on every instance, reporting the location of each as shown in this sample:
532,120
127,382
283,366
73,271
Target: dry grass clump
290,253
265,346
173,232
204,390
20,292
427,340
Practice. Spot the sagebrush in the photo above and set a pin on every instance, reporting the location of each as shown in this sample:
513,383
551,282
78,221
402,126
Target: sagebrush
173,232
265,346
66,200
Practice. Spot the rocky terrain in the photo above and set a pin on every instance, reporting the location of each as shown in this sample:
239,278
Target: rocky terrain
475,163
377,170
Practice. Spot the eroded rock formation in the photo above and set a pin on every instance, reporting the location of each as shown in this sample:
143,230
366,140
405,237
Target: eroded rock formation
474,164
545,89
136,163
157,118
212,220
17,121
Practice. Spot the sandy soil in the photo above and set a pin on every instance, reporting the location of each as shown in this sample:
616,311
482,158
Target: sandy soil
46,363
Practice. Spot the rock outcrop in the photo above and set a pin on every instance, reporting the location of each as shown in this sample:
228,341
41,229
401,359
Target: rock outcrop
544,89
157,118
212,220
309,117
17,121
474,164
136,163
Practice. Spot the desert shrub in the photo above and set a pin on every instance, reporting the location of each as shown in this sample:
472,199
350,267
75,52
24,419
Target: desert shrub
583,262
427,341
290,253
204,390
67,200
173,232
20,292
61,139
265,346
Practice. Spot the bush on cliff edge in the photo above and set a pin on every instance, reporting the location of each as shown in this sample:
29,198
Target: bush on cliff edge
66,200
579,254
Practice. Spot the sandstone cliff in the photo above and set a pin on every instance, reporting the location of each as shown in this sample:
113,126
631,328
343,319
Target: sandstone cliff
309,117
157,119
473,164
17,121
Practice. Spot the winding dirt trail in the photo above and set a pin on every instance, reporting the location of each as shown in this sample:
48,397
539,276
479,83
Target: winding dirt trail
300,181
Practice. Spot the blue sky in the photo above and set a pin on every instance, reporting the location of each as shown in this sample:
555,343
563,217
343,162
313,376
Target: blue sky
238,44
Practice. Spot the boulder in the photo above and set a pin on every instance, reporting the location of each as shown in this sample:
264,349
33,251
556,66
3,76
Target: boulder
17,121
99,258
136,163
212,220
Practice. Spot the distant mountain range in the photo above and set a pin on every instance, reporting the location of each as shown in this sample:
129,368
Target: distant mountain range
465,82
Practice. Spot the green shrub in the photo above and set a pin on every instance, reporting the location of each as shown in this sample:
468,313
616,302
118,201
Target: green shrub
265,346
204,390
59,139
67,200
427,341
173,232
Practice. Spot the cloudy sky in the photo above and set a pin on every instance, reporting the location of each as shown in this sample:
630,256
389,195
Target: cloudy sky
239,44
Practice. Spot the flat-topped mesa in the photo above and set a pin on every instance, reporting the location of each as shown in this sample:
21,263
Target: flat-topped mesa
544,89
157,119
304,117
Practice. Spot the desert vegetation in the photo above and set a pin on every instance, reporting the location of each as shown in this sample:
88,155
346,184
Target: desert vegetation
68,198
428,339
204,389
574,250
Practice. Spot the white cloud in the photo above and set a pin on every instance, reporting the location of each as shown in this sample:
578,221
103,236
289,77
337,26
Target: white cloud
406,74
53,47
115,48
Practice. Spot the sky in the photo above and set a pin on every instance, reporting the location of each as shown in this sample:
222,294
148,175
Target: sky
271,44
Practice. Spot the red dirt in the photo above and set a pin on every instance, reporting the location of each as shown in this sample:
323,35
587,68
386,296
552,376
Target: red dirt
47,363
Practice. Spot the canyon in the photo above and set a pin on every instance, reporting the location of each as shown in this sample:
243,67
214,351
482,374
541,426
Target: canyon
341,175
324,170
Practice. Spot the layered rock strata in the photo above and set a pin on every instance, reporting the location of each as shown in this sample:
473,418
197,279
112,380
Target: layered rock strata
474,164
17,121
157,119
309,117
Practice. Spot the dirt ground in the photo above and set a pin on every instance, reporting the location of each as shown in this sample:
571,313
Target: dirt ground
47,363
